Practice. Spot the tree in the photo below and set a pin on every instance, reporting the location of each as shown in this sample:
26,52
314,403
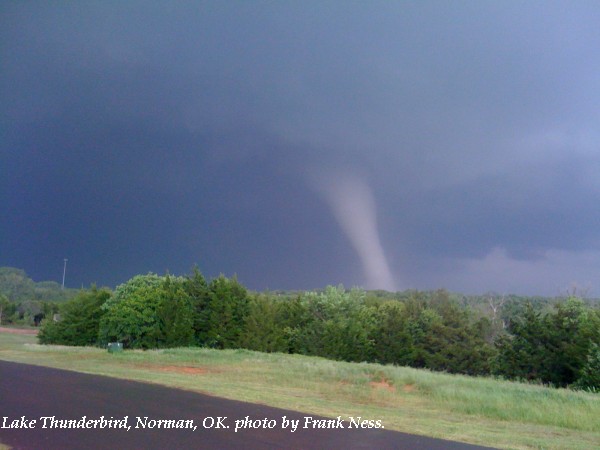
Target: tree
15,284
334,324
4,303
196,287
567,343
459,341
522,351
553,348
264,329
175,314
294,318
393,341
30,312
222,320
51,291
80,320
348,332
590,374
148,311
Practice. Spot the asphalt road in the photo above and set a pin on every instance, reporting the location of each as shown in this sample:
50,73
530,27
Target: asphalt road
32,393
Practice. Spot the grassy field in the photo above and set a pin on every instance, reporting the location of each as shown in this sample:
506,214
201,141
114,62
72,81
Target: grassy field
475,410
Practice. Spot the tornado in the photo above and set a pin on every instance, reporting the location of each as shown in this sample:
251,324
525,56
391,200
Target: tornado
353,205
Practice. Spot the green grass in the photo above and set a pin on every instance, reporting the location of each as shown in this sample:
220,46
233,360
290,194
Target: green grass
475,410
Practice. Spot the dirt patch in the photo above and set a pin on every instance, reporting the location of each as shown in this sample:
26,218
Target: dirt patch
179,369
409,388
382,384
176,369
18,330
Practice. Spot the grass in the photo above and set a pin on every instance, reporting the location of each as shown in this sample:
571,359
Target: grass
481,411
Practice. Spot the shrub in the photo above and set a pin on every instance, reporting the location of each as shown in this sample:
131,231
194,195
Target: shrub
80,320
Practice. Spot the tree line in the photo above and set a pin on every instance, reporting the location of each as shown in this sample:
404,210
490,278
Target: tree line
555,344
25,302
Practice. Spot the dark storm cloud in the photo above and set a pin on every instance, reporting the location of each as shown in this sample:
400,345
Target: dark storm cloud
547,206
144,136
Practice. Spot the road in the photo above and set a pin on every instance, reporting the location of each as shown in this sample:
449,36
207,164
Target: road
31,393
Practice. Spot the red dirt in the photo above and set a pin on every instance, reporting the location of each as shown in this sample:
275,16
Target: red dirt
18,330
175,369
179,369
383,384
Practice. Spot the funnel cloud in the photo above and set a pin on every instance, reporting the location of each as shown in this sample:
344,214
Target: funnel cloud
353,206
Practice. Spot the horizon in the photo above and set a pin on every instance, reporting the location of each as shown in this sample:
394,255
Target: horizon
571,291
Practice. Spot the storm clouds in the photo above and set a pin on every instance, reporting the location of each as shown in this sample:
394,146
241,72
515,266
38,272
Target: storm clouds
387,145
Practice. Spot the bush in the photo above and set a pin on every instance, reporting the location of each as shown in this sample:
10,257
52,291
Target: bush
80,320
590,375
148,311
222,321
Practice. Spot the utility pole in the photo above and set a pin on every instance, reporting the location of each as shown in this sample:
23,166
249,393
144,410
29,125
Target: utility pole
64,273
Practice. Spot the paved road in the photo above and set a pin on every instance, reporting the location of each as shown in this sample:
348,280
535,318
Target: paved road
35,392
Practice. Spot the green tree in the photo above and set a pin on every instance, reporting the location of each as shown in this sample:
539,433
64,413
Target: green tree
196,287
80,320
175,314
458,343
130,314
522,350
4,304
141,311
16,285
393,341
335,324
30,312
567,342
294,318
444,335
222,320
265,325
589,378
51,291
553,348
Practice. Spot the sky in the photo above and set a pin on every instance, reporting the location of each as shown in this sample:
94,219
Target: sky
297,144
